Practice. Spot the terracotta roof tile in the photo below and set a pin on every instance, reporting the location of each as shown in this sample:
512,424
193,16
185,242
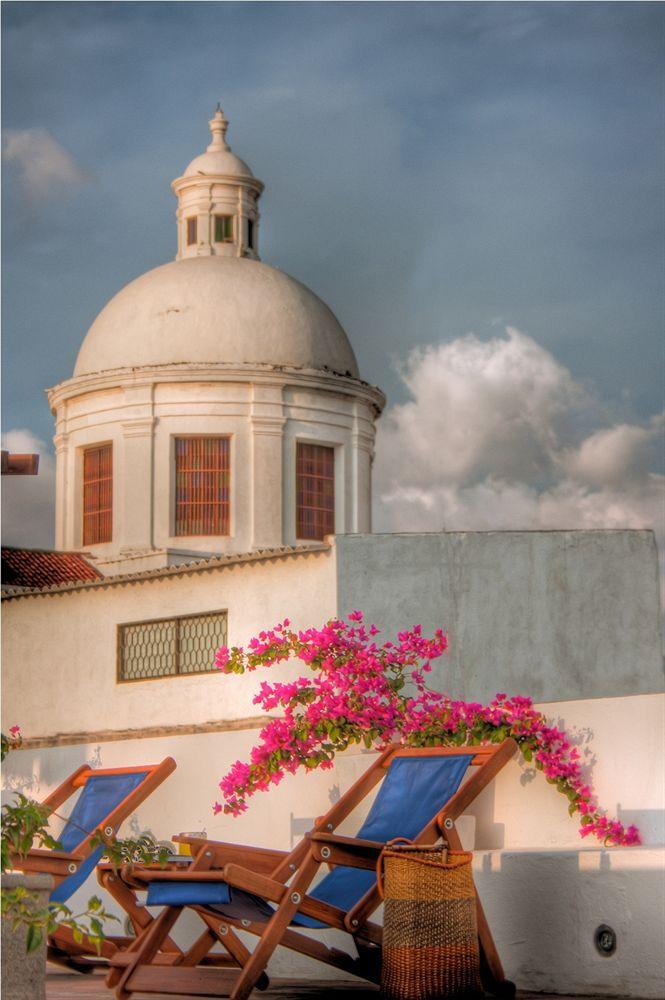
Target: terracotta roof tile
43,568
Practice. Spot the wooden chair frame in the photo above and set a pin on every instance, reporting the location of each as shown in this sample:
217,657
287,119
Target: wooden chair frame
62,948
283,878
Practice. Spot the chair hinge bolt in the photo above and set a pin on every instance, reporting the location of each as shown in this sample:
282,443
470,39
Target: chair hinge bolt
325,852
295,897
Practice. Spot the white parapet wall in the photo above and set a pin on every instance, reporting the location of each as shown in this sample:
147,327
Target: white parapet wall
545,890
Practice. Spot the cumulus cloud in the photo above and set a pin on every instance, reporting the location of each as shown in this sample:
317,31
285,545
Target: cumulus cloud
28,502
43,164
491,438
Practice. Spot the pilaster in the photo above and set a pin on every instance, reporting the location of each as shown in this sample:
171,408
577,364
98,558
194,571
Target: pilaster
267,422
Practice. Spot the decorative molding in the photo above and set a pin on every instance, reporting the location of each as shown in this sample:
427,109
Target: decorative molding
276,375
140,427
61,441
150,732
268,426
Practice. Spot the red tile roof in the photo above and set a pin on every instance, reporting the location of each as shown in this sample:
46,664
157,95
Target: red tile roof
44,568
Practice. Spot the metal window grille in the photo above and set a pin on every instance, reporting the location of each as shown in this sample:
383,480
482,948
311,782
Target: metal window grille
170,647
223,229
202,486
97,494
191,230
315,491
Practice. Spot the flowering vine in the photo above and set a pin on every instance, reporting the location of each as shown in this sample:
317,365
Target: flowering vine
360,691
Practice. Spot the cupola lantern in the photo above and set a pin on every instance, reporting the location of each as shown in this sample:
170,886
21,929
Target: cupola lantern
217,214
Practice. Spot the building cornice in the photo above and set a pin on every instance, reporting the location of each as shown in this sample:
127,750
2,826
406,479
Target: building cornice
278,375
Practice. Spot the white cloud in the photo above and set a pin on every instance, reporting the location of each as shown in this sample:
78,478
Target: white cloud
43,164
490,439
28,502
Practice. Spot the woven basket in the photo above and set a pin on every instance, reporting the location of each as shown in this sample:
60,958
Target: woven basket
430,933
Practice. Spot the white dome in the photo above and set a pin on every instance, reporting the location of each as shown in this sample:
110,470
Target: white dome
218,162
215,309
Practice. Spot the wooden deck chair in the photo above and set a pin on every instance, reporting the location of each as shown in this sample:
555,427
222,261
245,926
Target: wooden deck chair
105,798
269,893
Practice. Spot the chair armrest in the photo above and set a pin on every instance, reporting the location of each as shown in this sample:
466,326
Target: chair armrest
260,859
42,861
274,892
354,852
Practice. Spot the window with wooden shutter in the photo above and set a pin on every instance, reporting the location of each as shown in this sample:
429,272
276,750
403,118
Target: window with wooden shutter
98,494
202,486
315,491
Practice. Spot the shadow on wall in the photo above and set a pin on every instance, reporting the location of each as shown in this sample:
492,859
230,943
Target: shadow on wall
546,908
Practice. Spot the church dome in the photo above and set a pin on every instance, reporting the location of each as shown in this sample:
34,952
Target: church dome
211,310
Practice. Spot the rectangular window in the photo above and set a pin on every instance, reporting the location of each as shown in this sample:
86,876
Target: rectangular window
170,647
250,234
223,229
315,491
191,230
202,486
97,494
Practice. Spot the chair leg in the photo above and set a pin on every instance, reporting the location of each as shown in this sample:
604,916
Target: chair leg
275,927
492,974
126,898
147,947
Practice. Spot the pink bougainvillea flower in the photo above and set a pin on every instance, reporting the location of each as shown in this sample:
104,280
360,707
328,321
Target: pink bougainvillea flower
359,692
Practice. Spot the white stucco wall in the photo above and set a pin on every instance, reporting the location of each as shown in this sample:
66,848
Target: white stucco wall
545,890
59,652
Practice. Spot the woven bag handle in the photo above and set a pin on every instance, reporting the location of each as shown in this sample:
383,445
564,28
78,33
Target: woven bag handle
380,875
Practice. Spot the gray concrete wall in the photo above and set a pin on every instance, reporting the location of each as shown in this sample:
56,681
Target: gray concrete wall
557,615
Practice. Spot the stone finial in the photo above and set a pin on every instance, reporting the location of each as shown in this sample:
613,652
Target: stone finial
218,126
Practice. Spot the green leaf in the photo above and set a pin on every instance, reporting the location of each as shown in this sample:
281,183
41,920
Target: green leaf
34,938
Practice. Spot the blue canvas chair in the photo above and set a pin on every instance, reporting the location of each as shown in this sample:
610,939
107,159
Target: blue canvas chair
104,799
269,893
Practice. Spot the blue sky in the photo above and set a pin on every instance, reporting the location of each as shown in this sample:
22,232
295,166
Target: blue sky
431,170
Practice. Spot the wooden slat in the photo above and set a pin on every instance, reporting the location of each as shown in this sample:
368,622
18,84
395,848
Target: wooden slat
175,980
202,493
261,859
98,494
315,491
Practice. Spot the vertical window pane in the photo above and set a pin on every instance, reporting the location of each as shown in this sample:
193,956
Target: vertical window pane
250,234
191,230
223,229
97,495
315,491
202,486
